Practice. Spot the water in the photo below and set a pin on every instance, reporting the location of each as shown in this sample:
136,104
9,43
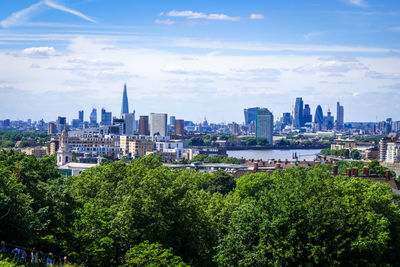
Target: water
282,154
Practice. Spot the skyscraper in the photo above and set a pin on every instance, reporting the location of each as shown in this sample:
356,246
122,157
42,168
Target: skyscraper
158,124
264,124
179,127
93,117
144,125
106,117
286,118
298,113
61,122
329,121
172,121
318,118
339,116
249,115
307,117
129,121
125,107
81,116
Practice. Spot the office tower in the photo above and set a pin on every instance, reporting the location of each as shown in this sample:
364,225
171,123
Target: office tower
172,121
93,117
298,113
307,117
264,124
75,123
249,115
129,123
81,116
61,122
318,118
235,128
125,107
106,117
158,124
286,118
51,128
179,127
329,121
144,125
339,116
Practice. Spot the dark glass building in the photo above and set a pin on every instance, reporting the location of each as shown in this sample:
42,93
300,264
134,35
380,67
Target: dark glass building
298,113
125,107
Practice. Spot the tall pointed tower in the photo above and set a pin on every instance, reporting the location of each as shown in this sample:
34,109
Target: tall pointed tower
125,108
64,156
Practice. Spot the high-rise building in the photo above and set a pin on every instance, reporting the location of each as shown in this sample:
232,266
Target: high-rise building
329,121
129,122
235,129
81,118
286,118
179,127
93,117
172,121
61,122
106,117
298,113
144,125
318,118
125,107
51,128
75,123
158,124
339,116
264,124
307,117
250,115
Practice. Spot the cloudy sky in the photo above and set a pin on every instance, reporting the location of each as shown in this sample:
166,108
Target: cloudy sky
196,59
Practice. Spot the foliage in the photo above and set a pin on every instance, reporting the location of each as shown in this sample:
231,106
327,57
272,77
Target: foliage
215,159
344,153
220,182
8,139
6,262
306,217
355,154
146,254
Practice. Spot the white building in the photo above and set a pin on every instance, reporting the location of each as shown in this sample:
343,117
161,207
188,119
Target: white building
171,147
392,152
158,124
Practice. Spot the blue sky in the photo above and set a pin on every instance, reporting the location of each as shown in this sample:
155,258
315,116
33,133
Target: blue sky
194,59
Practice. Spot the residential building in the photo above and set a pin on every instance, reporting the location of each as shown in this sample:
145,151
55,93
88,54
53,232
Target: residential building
179,127
140,147
393,152
264,124
158,124
144,125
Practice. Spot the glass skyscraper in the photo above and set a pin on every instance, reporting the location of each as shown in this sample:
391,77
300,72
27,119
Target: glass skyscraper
125,107
250,115
298,113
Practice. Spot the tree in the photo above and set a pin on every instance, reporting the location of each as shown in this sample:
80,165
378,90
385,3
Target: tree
307,217
146,254
220,182
355,154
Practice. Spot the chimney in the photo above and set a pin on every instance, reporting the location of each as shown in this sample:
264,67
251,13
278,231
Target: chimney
348,172
354,171
387,175
255,167
366,171
335,170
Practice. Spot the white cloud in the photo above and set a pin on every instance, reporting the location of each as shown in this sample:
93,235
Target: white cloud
52,4
331,65
311,35
256,16
22,16
164,21
359,3
199,15
43,51
382,76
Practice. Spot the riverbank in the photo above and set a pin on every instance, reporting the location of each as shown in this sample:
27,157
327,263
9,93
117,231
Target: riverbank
275,154
276,147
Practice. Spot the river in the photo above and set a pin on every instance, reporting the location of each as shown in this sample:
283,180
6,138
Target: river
282,154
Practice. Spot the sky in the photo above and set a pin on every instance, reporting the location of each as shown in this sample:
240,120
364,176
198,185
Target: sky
197,59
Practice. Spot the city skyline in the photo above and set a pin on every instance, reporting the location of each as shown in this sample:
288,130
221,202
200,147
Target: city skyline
61,57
